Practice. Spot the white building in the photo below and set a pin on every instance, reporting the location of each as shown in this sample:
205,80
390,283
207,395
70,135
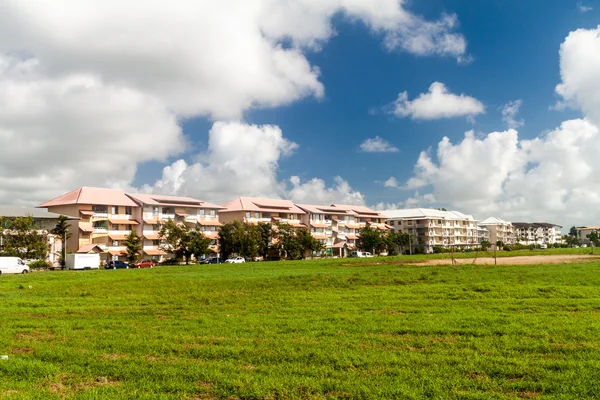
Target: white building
499,229
430,227
537,233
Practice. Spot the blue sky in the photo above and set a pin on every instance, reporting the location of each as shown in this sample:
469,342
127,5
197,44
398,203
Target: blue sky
514,46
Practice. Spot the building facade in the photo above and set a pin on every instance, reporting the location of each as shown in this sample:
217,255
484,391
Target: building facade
499,230
540,233
107,216
429,228
43,222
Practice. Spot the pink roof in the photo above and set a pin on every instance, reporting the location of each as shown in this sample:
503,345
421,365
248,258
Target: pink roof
86,248
261,204
317,209
360,210
91,195
175,201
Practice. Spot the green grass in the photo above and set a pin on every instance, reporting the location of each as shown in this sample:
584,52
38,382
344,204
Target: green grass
490,253
313,329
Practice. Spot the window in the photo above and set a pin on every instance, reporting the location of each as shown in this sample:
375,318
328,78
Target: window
128,210
213,213
257,215
155,242
202,228
100,224
100,209
248,214
154,210
168,210
213,228
201,212
156,227
114,210
115,243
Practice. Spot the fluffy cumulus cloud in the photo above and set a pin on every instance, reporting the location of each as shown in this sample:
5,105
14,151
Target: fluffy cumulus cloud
315,191
377,145
437,103
87,94
553,177
509,114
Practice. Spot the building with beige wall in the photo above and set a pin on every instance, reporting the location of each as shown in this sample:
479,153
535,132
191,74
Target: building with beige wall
430,227
43,222
107,216
538,233
500,230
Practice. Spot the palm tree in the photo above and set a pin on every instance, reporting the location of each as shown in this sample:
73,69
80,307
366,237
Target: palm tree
133,243
62,230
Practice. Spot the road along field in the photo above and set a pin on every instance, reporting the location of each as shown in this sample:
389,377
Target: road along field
312,329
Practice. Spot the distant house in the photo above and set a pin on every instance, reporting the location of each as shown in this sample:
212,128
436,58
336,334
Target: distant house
44,222
584,231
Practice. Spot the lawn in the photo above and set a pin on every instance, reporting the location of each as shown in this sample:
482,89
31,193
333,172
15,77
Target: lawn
313,329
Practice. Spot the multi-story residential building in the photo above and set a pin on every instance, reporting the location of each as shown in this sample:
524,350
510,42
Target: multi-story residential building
483,234
537,233
107,216
335,227
43,222
255,209
499,229
429,227
584,231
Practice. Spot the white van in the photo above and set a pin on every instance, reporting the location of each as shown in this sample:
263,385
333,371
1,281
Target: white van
357,254
13,265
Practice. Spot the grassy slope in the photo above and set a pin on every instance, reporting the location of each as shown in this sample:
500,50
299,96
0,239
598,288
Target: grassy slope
315,329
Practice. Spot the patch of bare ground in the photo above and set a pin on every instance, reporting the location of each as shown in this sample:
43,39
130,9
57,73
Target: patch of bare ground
68,384
519,260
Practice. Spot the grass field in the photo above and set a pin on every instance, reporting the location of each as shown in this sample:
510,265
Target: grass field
313,329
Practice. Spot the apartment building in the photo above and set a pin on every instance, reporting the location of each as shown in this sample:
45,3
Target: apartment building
335,227
107,216
483,234
43,222
500,230
256,209
430,227
537,233
584,231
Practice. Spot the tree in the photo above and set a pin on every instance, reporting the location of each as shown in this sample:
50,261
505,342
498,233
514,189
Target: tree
499,244
573,231
308,243
396,242
287,242
242,239
370,240
485,244
133,244
265,231
183,241
20,238
594,238
62,230
572,241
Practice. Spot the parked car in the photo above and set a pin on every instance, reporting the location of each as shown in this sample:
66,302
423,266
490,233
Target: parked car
116,265
143,263
13,265
212,260
358,254
367,254
235,260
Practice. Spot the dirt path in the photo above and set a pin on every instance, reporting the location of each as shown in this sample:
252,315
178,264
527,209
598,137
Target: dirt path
519,260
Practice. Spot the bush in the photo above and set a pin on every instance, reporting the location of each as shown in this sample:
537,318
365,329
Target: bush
172,261
506,248
39,264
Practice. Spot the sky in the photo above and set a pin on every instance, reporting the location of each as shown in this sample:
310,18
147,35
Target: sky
491,107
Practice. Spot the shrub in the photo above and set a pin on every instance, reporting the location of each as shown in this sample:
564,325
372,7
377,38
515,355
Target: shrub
39,264
506,248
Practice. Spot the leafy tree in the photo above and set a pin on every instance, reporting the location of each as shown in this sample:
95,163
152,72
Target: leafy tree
287,242
594,238
308,243
183,241
265,231
20,238
62,230
239,238
572,241
573,231
396,241
499,244
371,240
133,244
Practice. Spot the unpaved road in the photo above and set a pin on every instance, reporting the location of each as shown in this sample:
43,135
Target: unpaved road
519,260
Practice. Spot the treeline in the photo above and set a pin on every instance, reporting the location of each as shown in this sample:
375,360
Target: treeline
20,238
267,241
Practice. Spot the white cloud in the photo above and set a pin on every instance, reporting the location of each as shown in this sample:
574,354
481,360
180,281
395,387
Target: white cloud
391,183
377,145
242,160
584,8
315,191
90,89
509,113
437,103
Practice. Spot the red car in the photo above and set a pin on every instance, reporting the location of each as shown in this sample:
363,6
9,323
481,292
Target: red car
145,263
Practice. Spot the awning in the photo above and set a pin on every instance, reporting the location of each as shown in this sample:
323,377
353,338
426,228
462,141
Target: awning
319,235
86,229
388,227
352,225
87,248
319,225
117,236
335,217
86,212
155,252
276,218
181,212
339,245
117,252
151,221
152,235
351,237
209,223
298,225
115,221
